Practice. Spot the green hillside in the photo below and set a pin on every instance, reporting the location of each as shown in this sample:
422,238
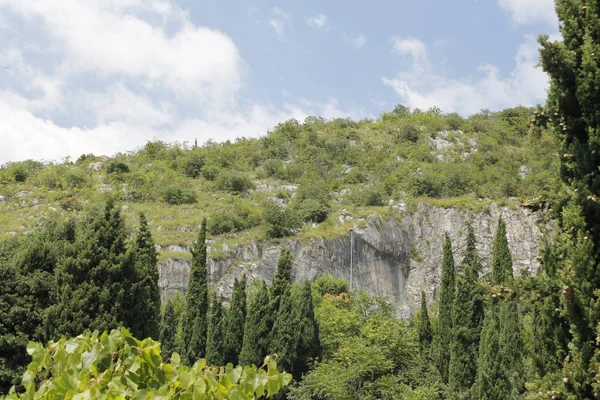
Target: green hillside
299,178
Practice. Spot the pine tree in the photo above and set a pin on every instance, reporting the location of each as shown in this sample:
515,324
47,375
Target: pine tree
308,346
502,272
255,345
215,337
234,323
285,333
146,292
281,282
447,289
424,326
196,324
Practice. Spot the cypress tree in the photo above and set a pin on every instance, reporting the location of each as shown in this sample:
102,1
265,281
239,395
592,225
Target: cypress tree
281,282
168,329
308,346
285,333
255,345
502,272
447,288
424,326
234,322
195,325
146,292
94,281
215,338
491,382
467,316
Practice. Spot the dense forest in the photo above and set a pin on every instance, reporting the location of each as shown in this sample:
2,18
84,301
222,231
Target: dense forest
89,261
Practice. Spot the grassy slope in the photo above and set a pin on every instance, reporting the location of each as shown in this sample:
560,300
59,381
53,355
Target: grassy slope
381,163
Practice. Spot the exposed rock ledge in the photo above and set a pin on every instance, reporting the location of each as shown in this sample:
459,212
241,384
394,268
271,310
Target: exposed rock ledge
394,258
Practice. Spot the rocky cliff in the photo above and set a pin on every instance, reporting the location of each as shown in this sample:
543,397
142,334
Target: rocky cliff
390,257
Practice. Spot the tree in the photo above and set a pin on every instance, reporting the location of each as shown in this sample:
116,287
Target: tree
308,346
215,337
256,328
491,382
168,328
424,326
467,316
281,282
196,324
94,280
285,333
234,323
146,292
501,259
447,288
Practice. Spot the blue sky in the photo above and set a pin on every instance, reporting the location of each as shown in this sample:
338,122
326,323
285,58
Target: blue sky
102,76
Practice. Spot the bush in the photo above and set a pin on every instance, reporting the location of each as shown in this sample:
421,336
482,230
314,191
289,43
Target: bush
177,195
311,210
273,168
280,222
117,167
192,167
237,219
355,176
210,172
234,182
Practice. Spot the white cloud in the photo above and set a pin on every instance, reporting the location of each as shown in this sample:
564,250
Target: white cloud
357,41
317,21
528,11
279,20
109,38
421,87
103,76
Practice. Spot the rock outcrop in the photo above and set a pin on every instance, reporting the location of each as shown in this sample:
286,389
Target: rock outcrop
391,257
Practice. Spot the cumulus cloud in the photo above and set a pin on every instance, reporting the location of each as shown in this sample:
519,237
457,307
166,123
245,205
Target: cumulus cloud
104,76
420,86
357,41
528,11
279,20
317,21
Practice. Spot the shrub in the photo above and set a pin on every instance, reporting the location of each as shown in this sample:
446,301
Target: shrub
237,219
192,167
273,168
311,210
355,176
210,172
117,167
177,195
234,182
280,222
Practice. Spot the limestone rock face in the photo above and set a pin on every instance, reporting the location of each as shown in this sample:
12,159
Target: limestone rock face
391,257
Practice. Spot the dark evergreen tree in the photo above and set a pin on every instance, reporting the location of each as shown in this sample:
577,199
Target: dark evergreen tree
168,329
215,339
196,324
94,280
502,272
491,382
234,323
308,345
443,336
146,293
468,319
285,333
256,343
424,326
283,277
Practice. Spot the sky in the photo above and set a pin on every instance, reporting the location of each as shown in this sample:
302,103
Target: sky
106,76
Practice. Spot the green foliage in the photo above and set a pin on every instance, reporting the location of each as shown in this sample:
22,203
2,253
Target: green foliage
502,272
192,167
443,335
178,195
424,326
280,221
117,167
308,346
235,219
195,325
117,365
233,330
145,313
257,329
330,285
171,317
285,332
215,338
234,182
